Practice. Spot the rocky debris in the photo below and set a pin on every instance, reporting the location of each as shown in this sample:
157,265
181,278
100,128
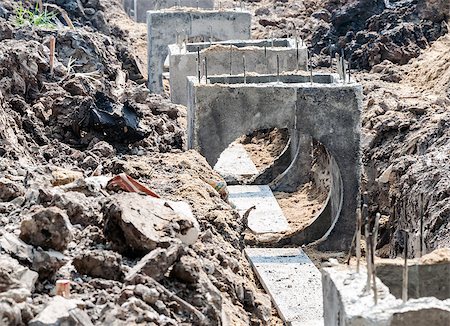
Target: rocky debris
62,311
10,190
100,263
187,270
48,228
156,263
63,176
14,276
80,208
142,223
149,295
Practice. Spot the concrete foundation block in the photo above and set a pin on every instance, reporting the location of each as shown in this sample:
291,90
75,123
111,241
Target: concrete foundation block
137,9
323,107
167,26
227,58
346,302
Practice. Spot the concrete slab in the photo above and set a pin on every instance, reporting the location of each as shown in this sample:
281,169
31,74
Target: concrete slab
293,282
267,217
235,164
165,27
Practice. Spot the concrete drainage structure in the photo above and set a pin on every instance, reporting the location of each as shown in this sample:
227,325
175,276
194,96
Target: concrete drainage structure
137,9
326,109
346,302
168,26
261,56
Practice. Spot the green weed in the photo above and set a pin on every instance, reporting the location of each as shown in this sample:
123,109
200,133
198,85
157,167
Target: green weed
27,17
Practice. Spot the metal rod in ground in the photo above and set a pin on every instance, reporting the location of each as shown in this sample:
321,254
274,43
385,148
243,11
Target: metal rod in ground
243,65
349,66
405,269
358,238
373,268
352,246
197,5
231,59
375,230
210,35
310,68
278,68
198,64
421,212
296,48
52,54
331,54
369,268
206,70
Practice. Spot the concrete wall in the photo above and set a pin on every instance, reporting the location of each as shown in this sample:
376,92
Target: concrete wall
140,7
329,112
164,26
227,58
424,280
346,302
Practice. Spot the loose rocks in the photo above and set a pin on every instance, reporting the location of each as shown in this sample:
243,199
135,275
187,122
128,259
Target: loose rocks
99,263
48,228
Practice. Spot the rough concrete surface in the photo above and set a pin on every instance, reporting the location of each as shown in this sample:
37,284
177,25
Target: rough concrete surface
326,109
235,164
266,56
267,217
292,281
166,26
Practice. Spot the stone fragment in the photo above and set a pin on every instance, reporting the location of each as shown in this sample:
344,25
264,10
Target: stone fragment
10,190
48,228
79,208
64,176
149,295
187,269
13,275
99,263
61,311
141,223
10,313
156,263
45,263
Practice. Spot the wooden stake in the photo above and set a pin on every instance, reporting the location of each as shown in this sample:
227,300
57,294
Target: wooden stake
52,54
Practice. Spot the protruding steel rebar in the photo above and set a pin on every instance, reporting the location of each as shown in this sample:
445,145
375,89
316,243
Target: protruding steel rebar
198,65
421,212
278,68
405,269
310,67
373,267
243,64
206,70
358,238
231,59
210,35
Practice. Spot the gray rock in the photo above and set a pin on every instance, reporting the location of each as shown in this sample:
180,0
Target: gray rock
10,189
46,263
62,311
100,263
48,228
10,313
140,223
149,295
15,276
187,269
156,263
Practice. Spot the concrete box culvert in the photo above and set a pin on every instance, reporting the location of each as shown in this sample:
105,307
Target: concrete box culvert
327,109
137,9
261,56
166,26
